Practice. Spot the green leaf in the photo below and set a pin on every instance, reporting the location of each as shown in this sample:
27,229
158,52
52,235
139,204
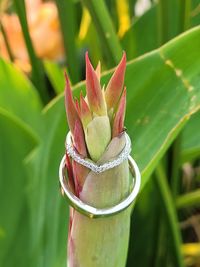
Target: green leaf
48,210
37,67
55,75
170,25
195,14
68,22
19,97
142,36
104,27
162,22
191,199
91,40
16,141
191,139
145,224
170,215
5,38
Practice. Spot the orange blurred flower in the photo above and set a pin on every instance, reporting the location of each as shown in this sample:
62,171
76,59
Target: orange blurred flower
44,29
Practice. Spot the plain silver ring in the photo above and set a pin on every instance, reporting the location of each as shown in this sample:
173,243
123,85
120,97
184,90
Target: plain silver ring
91,211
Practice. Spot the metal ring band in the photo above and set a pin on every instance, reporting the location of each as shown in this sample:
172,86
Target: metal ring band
91,211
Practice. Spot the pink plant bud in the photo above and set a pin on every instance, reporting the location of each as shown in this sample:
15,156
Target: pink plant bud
72,114
93,88
115,85
85,114
118,124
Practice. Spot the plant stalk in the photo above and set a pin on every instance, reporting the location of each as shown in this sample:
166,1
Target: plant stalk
104,26
38,74
170,213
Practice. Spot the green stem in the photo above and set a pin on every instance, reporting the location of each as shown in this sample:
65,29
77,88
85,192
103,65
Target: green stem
104,26
162,25
175,166
170,213
66,11
6,42
176,146
185,15
38,74
189,200
160,255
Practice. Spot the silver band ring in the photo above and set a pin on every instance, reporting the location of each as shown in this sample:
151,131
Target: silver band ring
91,211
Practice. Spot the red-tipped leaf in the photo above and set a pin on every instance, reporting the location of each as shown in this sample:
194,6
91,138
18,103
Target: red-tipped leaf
93,88
115,85
118,124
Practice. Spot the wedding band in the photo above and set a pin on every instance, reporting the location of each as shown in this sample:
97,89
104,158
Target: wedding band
91,211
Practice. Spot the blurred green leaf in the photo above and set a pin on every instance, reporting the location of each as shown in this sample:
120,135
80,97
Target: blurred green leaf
5,38
19,96
195,13
170,19
48,210
170,214
142,36
91,43
16,141
55,75
145,221
191,139
108,38
37,67
191,199
68,22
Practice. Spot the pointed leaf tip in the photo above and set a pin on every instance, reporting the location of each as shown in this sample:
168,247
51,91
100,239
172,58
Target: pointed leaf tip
115,85
93,88
118,124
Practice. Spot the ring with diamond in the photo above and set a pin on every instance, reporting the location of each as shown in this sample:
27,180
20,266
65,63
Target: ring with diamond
91,211
71,151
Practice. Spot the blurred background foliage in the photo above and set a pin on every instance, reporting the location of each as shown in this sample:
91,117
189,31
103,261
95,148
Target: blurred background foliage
38,40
